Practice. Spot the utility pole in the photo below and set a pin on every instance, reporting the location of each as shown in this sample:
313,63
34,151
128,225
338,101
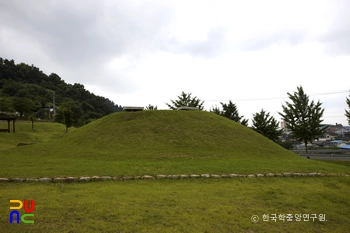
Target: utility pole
54,108
53,103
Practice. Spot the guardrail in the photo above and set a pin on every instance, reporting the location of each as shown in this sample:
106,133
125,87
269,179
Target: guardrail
339,154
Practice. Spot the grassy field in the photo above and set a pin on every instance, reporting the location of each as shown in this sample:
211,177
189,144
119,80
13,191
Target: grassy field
42,132
193,205
166,142
151,142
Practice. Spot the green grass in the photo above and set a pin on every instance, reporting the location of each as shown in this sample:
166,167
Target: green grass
42,132
165,142
343,163
193,205
151,142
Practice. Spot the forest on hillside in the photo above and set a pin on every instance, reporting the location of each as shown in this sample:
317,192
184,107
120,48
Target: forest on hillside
27,92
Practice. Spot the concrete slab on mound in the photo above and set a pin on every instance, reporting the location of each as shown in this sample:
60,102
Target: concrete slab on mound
187,108
132,108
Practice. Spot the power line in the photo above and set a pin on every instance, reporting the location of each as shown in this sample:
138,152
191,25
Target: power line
275,98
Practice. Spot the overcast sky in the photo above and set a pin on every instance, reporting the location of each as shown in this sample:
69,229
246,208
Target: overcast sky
146,52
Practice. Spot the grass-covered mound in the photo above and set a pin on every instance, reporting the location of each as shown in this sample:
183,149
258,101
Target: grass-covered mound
157,142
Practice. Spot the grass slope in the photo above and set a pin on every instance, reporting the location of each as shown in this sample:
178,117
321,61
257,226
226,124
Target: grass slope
157,142
192,205
42,132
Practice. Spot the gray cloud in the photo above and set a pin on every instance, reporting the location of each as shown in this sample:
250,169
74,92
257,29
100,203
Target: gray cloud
209,48
264,41
338,36
68,32
82,36
337,39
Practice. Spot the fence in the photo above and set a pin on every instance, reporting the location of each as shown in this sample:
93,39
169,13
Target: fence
339,154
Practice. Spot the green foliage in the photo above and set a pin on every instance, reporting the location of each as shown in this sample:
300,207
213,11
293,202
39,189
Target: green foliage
285,144
151,107
24,81
6,104
23,105
76,113
303,118
230,111
67,118
215,110
186,100
347,112
266,125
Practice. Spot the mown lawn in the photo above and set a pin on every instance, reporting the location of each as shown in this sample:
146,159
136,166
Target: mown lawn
42,132
193,205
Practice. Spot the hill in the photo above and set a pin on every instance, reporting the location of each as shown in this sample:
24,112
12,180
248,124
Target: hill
27,90
157,142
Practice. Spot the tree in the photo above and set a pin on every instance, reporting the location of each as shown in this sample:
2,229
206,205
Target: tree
6,104
230,111
186,99
303,118
32,119
266,125
67,118
151,107
216,110
75,111
347,112
23,105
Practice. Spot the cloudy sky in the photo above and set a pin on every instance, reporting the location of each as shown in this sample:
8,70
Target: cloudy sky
146,52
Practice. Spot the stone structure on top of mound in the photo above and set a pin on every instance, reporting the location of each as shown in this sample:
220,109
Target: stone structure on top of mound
132,109
187,108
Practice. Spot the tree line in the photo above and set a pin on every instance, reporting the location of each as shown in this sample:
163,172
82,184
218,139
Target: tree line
31,93
301,116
